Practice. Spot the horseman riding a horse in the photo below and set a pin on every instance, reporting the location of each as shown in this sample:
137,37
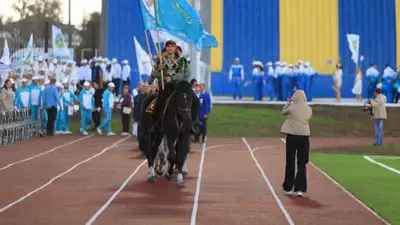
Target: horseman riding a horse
169,116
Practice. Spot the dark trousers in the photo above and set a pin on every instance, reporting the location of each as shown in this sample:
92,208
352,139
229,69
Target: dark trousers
96,118
51,115
203,129
117,83
300,145
126,122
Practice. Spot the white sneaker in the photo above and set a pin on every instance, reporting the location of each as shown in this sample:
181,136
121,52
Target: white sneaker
125,134
85,133
300,194
110,134
67,132
57,132
99,131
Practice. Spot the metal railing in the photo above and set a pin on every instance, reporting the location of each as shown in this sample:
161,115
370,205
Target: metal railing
16,125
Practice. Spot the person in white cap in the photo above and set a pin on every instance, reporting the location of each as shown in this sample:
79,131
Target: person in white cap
258,80
116,76
86,99
108,105
236,77
270,80
107,78
34,100
69,97
126,73
60,117
310,74
22,95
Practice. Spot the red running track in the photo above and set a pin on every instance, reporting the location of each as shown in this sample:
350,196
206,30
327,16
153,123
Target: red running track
102,180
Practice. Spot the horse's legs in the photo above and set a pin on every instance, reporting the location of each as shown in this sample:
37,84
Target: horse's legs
151,177
171,156
182,150
159,156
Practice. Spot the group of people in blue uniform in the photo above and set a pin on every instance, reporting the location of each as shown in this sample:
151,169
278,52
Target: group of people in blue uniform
281,81
388,81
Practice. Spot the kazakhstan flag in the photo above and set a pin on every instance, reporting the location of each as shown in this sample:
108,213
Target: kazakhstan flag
180,19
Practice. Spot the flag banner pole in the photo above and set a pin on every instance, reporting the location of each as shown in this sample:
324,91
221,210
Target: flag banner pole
148,48
161,62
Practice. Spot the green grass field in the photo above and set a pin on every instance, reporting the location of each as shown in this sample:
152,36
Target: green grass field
376,186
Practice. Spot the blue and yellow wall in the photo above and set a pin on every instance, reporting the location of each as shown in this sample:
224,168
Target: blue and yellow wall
281,30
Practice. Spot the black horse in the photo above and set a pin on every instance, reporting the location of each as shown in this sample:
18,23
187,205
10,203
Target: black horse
175,125
150,138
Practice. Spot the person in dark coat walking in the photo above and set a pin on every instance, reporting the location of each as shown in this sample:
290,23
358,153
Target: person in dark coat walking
98,104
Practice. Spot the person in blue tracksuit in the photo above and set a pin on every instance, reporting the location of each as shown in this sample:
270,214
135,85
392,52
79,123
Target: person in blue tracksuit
300,76
69,97
59,123
295,77
205,110
286,82
270,79
309,76
22,95
388,78
372,76
34,97
257,80
236,78
278,80
86,99
108,105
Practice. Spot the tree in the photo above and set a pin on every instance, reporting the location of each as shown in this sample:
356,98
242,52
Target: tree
39,8
33,16
90,32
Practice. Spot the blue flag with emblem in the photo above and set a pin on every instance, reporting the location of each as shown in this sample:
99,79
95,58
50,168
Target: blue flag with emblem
180,32
180,19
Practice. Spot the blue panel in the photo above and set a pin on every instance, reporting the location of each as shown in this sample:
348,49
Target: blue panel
251,31
322,87
375,22
124,22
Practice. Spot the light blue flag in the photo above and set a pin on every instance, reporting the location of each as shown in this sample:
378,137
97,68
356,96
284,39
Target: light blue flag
180,19
149,21
208,40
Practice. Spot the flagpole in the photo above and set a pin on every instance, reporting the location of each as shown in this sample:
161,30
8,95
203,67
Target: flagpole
161,62
148,48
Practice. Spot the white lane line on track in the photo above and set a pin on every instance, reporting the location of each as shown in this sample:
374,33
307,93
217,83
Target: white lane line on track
382,165
43,153
264,147
271,188
60,175
383,157
345,190
198,184
104,207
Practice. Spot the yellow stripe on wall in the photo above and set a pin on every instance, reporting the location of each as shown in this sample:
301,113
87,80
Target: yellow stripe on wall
309,32
398,31
217,29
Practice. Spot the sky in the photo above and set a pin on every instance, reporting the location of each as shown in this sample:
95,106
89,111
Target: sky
78,9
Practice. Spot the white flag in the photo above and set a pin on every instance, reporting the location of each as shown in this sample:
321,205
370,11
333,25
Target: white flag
354,45
59,47
143,59
6,54
29,53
